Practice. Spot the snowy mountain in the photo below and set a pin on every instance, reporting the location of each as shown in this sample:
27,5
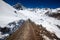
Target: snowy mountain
46,17
39,16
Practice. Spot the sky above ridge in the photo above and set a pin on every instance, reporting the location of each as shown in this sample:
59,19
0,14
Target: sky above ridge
36,3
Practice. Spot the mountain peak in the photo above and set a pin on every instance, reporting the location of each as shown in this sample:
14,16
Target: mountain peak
18,6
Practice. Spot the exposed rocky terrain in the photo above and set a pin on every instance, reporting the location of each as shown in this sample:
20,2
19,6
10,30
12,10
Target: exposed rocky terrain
30,31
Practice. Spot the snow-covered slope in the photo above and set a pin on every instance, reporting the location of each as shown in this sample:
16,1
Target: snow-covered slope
7,14
40,16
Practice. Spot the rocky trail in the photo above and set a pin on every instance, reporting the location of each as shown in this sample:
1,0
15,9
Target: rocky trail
31,31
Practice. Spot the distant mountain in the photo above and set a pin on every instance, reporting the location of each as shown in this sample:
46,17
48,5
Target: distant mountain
18,6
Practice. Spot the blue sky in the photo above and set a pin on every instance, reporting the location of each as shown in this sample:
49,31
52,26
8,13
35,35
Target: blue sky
36,3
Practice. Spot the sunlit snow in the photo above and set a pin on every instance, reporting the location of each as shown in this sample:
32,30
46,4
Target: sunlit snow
38,16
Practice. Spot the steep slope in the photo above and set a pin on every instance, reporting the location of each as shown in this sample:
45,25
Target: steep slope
31,31
7,14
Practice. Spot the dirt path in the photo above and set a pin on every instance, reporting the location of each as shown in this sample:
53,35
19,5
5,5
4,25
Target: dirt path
31,31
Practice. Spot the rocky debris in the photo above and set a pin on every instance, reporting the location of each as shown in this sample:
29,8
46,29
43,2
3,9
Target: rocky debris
55,15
